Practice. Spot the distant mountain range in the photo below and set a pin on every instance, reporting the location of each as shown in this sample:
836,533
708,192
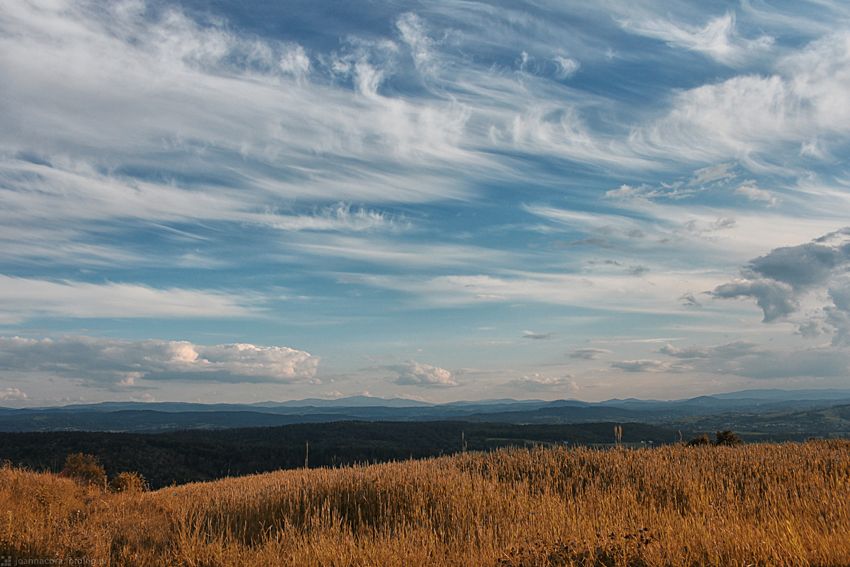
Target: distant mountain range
167,416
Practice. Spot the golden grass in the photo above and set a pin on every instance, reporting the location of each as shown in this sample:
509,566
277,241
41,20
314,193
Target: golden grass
783,504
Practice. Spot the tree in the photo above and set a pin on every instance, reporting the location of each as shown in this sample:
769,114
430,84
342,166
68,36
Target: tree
700,441
727,439
85,469
128,482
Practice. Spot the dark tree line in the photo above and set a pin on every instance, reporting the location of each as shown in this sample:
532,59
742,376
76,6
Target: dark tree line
186,456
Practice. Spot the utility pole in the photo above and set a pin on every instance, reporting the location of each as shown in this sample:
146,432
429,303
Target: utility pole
306,454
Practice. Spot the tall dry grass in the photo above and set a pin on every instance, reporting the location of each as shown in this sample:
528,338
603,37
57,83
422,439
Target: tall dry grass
754,505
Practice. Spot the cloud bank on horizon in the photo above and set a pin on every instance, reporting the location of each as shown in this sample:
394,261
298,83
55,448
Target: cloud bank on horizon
444,200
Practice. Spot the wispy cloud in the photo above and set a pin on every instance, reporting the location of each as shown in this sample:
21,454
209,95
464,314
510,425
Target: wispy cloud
540,382
167,163
536,336
718,38
22,299
747,117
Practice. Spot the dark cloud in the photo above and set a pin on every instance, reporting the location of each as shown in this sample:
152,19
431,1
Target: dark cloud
802,266
689,300
747,359
643,365
536,336
776,299
779,279
589,353
809,363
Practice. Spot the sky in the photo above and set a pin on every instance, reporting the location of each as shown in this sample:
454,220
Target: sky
238,201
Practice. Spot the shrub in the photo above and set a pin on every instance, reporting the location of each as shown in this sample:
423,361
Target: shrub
128,482
85,469
699,441
727,438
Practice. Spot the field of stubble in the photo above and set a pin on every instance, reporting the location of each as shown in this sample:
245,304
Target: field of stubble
766,504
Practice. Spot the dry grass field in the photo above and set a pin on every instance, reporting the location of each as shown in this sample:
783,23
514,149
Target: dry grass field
766,504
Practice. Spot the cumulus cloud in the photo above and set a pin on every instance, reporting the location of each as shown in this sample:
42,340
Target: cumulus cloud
414,373
12,395
113,362
776,299
779,279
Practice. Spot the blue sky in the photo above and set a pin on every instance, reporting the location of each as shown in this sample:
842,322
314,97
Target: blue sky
243,201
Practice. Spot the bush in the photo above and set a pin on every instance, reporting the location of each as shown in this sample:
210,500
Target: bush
727,438
699,441
85,469
128,482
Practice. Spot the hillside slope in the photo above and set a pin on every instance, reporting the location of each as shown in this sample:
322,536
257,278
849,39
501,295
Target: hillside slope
757,504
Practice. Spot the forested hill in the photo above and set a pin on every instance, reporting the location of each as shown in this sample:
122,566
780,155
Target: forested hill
185,456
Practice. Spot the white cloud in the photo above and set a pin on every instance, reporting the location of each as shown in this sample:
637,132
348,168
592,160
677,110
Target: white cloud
340,217
752,118
414,373
751,191
624,292
398,253
294,61
413,33
566,66
729,350
12,395
116,363
540,382
713,173
251,112
718,39
26,298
